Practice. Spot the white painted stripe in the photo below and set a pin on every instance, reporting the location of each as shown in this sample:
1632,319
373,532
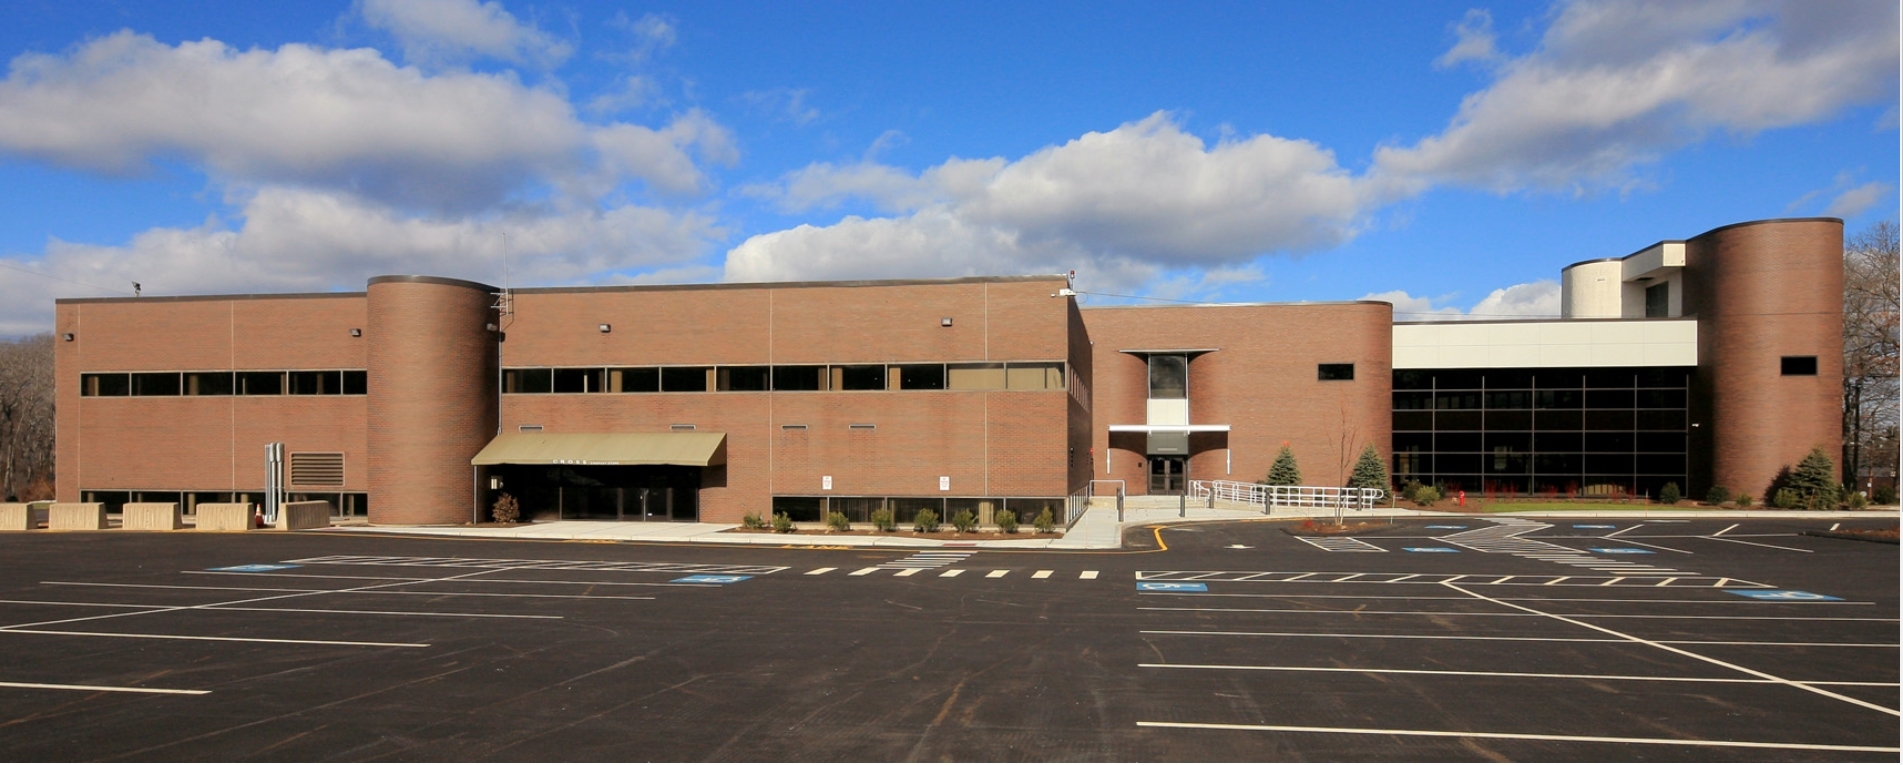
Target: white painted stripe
304,576
1087,575
998,574
818,571
1478,673
1721,532
1653,546
1043,574
1742,602
1690,654
1388,636
1759,544
950,572
1472,613
1522,736
864,571
212,638
905,572
110,688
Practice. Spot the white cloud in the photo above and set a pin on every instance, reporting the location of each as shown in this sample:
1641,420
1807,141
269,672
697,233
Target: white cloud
1854,201
1475,41
455,31
346,120
652,33
296,240
1538,299
1130,202
784,104
1617,83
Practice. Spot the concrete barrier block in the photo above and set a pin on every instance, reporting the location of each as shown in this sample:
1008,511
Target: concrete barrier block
76,516
151,516
226,516
16,516
293,516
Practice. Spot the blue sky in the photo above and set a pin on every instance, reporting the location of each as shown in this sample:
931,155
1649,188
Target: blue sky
1450,157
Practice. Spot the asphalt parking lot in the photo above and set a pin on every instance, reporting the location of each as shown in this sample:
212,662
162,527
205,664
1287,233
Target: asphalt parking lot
1501,639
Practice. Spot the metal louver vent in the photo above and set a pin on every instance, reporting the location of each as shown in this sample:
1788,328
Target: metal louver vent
317,469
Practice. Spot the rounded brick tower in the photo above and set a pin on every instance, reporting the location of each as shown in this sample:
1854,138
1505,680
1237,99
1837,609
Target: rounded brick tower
432,396
1769,300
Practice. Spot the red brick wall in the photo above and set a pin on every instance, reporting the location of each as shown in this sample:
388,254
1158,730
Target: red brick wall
1261,382
210,443
432,403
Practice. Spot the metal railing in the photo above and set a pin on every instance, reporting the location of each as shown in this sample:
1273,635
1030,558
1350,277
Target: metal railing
1120,493
1337,498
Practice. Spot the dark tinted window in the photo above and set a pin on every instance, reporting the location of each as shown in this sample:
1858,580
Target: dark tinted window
316,383
1657,299
797,377
527,381
1413,379
1800,365
1413,400
1335,372
155,383
684,379
260,383
861,377
356,382
208,383
1169,376
636,379
921,376
105,385
744,378
577,381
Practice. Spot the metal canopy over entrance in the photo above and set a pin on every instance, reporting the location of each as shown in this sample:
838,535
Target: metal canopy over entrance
606,476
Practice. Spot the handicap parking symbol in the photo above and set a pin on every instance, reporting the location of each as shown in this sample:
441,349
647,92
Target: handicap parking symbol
712,579
1172,587
1431,549
1620,550
1594,526
256,568
1447,527
1785,595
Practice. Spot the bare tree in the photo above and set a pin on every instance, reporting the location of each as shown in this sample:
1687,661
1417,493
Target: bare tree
26,417
1870,352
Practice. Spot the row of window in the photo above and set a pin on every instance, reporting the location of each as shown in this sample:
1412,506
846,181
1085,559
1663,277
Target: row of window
1036,375
1540,442
326,382
1667,398
1521,464
1590,419
1558,378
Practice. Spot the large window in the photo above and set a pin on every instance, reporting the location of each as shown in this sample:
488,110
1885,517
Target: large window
1169,376
1013,375
1563,431
323,382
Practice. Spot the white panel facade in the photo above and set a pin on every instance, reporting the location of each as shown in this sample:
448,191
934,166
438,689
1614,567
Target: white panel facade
1480,345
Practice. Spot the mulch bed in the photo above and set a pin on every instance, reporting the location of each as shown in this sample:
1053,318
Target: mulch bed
1313,528
1885,536
951,536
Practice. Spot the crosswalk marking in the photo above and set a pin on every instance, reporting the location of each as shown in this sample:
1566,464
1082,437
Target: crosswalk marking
864,571
818,571
1087,575
920,560
906,572
998,574
1504,537
951,572
1042,575
1342,544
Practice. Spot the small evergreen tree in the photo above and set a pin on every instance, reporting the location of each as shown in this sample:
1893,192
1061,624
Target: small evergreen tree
1369,473
1814,481
1284,472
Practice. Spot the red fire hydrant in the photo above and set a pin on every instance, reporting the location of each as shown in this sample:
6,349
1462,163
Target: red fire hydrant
1462,495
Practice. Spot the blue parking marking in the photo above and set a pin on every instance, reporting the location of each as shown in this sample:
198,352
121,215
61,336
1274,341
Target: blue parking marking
1620,550
1172,587
1431,549
256,568
1594,526
1787,595
1447,527
712,579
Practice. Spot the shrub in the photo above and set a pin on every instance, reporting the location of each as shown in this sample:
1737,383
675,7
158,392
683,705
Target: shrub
1045,523
964,521
1815,481
1669,494
1284,472
838,522
1007,521
1370,472
1743,499
752,521
1718,495
883,521
506,509
1857,501
1884,495
783,523
1787,499
926,521
1426,495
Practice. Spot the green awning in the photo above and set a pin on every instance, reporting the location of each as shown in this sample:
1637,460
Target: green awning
692,449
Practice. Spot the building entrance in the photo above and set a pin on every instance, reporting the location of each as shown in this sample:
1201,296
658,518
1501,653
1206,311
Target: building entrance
606,493
1167,475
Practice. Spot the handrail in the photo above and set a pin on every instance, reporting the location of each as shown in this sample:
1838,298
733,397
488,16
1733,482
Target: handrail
1269,497
1092,491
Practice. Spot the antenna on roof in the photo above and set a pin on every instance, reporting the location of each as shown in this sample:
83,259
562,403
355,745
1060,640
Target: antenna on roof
135,289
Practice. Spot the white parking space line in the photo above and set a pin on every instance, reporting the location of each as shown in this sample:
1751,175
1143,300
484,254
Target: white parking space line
1721,532
1691,655
864,571
1043,574
1523,736
1759,544
1745,602
362,591
950,572
281,574
905,572
1357,612
1087,575
210,638
458,615
102,688
1653,546
1536,675
1505,638
818,571
998,574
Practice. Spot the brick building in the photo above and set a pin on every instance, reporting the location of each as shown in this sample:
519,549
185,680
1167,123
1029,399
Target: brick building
419,400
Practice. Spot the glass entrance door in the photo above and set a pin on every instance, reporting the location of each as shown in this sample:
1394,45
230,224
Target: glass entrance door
1167,475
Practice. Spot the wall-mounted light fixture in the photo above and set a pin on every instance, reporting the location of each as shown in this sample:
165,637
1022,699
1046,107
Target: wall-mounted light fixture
945,322
606,328
355,332
68,337
490,327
